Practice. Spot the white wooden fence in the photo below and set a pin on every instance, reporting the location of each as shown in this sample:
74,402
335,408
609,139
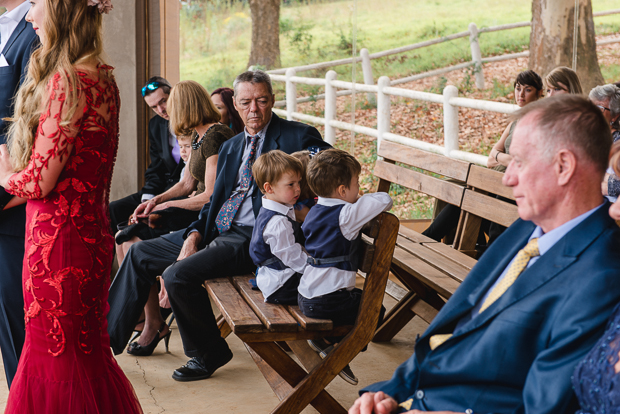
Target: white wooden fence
385,88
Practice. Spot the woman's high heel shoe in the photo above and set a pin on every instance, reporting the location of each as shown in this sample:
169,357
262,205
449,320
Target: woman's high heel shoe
136,349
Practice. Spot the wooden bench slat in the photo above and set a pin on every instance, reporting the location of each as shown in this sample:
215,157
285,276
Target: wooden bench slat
310,324
490,208
274,317
450,253
235,310
437,280
488,180
449,192
413,235
438,261
425,160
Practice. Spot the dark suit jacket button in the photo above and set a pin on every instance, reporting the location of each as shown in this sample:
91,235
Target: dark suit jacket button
419,394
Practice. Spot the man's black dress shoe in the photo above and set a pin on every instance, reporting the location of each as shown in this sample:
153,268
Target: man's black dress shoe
199,368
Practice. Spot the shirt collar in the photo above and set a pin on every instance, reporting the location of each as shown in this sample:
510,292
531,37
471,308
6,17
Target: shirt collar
330,202
547,240
279,208
17,13
261,134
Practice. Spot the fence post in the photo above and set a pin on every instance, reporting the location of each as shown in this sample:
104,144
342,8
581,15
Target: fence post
291,94
476,55
450,120
330,107
367,71
383,109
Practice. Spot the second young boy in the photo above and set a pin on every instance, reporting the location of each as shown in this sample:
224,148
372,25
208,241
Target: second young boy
276,245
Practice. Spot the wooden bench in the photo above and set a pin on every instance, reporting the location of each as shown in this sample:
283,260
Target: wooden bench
431,271
263,327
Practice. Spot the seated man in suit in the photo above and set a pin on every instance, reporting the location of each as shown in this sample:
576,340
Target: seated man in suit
216,245
166,165
509,338
17,41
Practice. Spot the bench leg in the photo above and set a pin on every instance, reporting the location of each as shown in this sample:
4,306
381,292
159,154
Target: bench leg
283,374
223,327
396,318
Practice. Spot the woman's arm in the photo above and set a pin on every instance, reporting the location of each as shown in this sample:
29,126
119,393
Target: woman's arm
181,189
195,203
15,201
498,154
52,146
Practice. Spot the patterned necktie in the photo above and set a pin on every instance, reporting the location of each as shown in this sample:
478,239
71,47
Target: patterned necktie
227,213
517,267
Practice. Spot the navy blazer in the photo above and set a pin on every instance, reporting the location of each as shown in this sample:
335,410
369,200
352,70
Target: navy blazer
519,354
287,136
163,171
17,52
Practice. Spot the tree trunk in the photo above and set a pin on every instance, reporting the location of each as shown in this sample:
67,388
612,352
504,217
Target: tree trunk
551,40
265,33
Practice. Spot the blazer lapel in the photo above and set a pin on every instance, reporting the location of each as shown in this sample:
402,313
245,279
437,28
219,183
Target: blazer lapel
233,163
21,26
273,135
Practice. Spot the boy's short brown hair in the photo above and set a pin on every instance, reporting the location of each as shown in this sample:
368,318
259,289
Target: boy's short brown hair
330,169
304,157
271,166
184,137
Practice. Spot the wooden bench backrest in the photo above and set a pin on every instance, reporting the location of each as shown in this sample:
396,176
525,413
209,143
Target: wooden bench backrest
480,202
388,172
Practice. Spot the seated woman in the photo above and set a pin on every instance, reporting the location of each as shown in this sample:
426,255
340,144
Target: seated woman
607,98
528,87
597,377
223,100
192,112
563,80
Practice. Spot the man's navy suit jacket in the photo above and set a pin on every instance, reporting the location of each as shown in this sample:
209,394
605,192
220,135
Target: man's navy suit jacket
17,53
163,171
287,136
519,354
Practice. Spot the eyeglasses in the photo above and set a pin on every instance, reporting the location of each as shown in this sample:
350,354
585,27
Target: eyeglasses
151,86
602,108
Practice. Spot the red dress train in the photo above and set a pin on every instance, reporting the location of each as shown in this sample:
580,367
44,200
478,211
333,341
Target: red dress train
66,365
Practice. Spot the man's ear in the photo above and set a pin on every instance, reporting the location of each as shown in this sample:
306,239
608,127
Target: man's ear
565,166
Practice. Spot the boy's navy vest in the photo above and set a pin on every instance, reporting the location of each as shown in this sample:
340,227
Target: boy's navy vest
260,251
325,244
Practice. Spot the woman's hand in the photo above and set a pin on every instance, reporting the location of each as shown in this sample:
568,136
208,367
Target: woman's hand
6,168
144,209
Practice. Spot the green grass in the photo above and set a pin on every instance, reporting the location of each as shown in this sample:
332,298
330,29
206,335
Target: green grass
215,40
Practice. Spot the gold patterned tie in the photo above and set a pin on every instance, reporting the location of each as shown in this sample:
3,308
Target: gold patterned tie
517,267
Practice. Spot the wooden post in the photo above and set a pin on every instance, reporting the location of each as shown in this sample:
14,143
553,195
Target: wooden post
383,109
450,120
368,78
330,107
476,55
291,94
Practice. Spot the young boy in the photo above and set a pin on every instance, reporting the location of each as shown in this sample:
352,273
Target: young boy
332,230
185,145
275,246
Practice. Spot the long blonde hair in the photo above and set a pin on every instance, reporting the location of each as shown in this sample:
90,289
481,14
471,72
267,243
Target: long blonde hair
72,36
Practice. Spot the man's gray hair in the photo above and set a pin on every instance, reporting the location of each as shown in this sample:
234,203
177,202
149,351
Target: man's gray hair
604,92
254,76
573,122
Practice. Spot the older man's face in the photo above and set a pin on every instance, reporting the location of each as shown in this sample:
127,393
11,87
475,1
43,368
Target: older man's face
254,103
531,175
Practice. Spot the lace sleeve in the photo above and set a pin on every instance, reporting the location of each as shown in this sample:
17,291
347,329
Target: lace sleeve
52,145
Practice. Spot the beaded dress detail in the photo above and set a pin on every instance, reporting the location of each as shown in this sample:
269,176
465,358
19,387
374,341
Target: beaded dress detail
66,365
595,380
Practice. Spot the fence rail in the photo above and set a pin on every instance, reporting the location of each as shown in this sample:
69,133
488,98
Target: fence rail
385,88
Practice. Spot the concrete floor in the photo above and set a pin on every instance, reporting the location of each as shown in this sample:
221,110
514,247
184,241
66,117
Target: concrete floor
239,387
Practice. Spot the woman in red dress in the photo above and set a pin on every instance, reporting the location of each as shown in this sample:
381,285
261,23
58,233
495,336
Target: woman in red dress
62,146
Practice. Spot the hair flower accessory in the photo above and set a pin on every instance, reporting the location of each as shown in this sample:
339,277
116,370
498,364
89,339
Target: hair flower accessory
104,6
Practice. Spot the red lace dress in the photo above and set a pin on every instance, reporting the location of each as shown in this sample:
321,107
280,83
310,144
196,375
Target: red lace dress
66,365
